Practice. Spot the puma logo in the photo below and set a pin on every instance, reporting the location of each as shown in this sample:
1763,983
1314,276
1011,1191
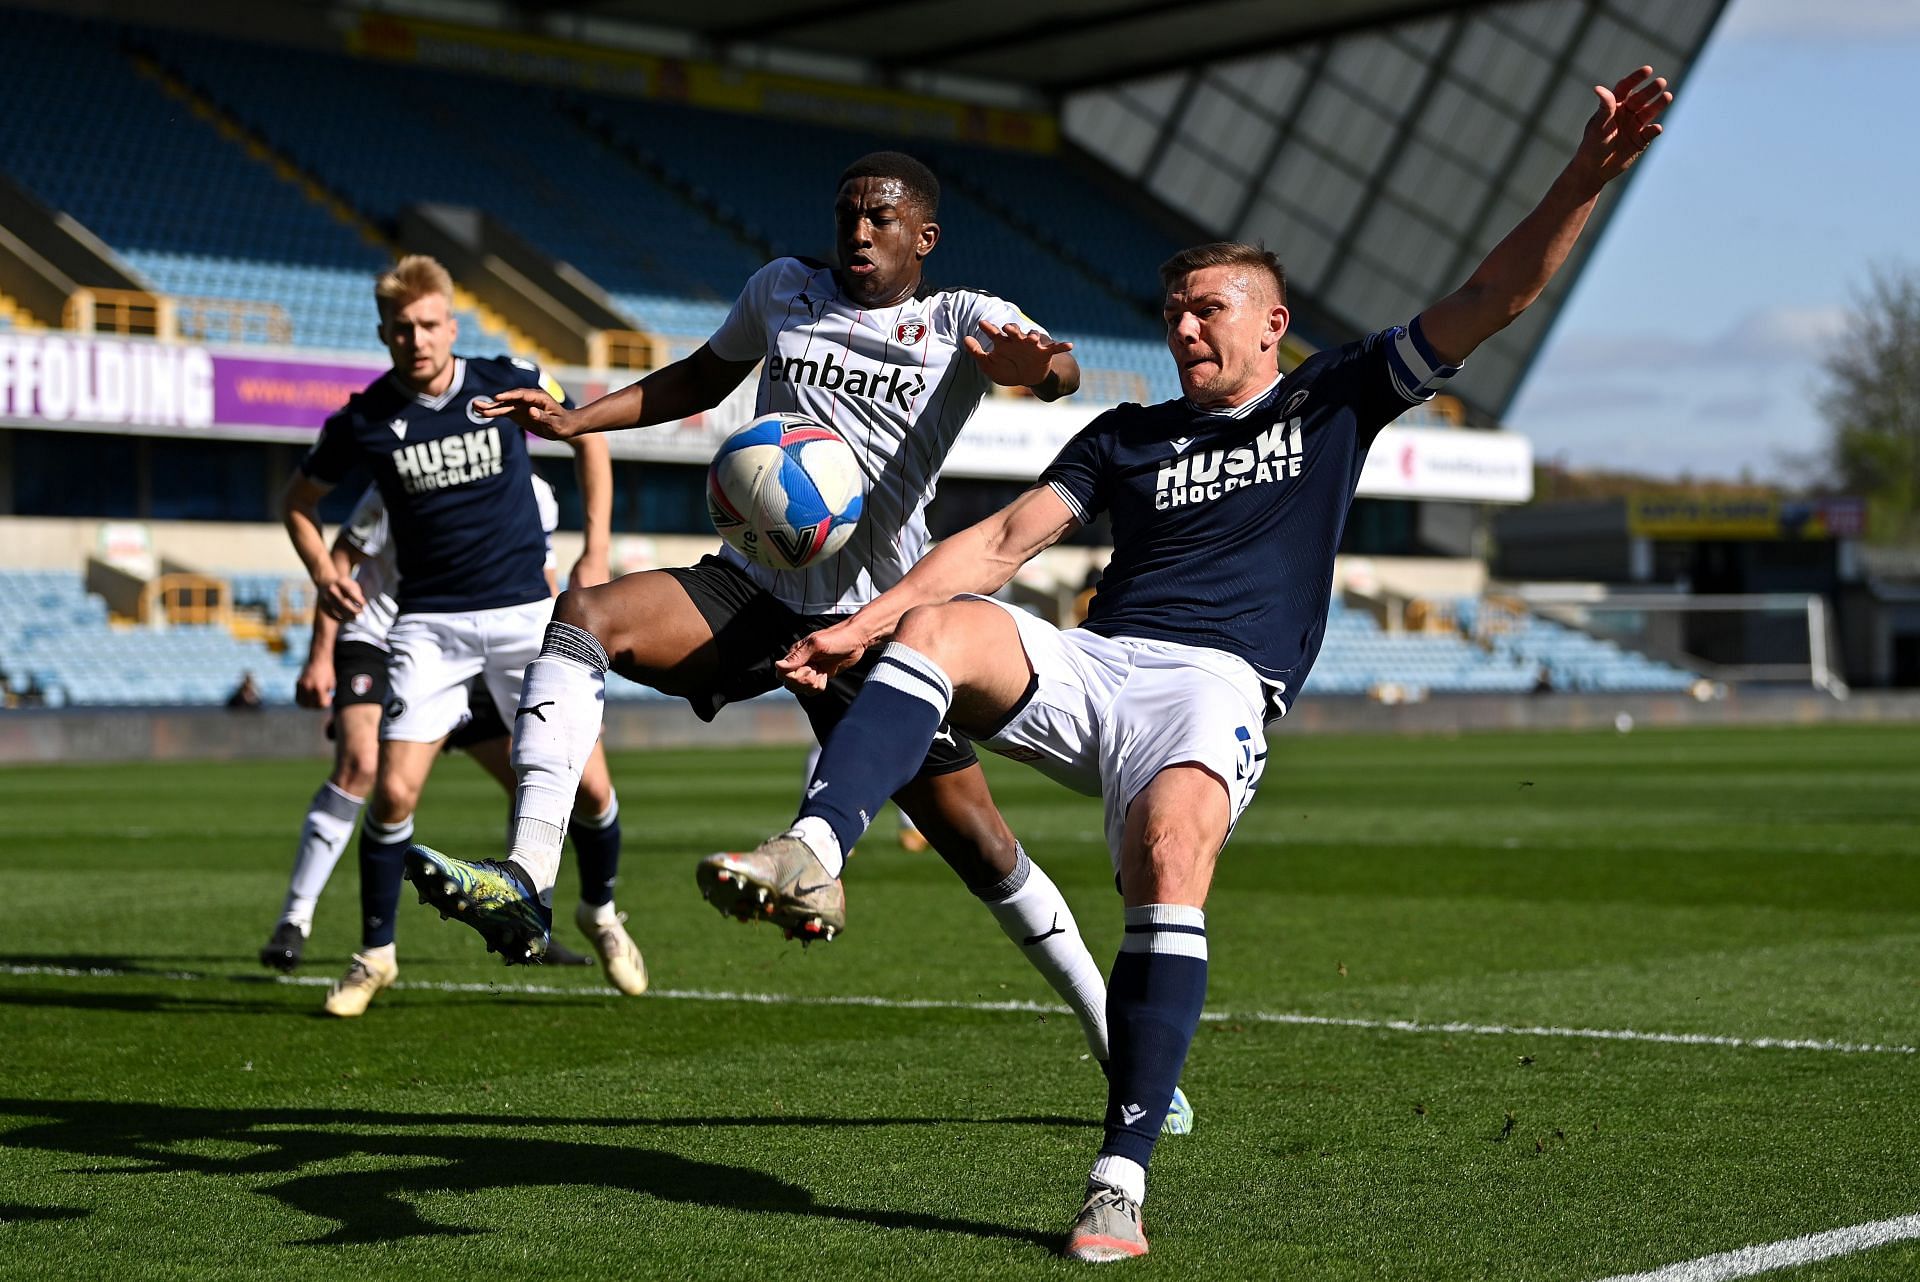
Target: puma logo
1045,935
535,710
1131,1113
946,734
815,788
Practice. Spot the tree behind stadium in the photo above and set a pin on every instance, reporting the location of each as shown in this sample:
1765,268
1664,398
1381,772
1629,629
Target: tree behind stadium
1872,404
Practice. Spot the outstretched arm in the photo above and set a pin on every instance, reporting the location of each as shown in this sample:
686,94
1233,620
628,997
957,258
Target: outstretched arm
979,559
1026,358
684,388
1512,276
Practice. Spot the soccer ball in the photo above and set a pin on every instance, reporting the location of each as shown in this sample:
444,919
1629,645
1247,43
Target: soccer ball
785,491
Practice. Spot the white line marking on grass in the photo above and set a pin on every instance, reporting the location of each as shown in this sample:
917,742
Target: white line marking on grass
1749,1261
1455,1028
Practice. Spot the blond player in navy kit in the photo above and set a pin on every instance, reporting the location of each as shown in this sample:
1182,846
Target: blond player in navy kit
473,596
895,366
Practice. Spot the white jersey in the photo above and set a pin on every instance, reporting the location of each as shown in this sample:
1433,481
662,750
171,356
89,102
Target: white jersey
367,532
895,382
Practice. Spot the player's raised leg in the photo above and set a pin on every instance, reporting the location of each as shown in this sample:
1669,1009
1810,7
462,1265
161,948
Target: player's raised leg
645,625
1174,830
935,665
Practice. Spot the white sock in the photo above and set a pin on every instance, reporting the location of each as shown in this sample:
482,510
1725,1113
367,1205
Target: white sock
586,914
323,838
1030,908
1121,1173
382,952
818,834
553,735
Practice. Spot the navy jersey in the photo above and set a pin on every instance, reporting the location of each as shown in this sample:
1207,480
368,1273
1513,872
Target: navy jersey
458,487
1225,522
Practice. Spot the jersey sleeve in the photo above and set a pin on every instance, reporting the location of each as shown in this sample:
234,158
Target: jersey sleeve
995,310
366,530
1386,373
334,453
537,377
742,336
1079,473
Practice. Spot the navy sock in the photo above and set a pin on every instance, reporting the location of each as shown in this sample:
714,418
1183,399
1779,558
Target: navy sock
382,865
879,745
596,847
1154,997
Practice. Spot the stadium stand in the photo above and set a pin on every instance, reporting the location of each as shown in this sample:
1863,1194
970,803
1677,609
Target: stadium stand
1358,657
56,644
1573,660
208,211
205,164
191,210
391,138
1495,650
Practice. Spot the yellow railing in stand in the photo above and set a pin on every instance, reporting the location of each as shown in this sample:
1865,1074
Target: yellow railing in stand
623,349
232,320
186,599
120,311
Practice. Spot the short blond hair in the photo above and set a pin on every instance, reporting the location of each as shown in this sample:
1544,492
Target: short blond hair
414,276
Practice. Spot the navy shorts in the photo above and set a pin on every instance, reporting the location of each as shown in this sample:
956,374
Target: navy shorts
751,629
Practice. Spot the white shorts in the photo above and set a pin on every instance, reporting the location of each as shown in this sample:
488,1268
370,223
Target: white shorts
1106,714
436,655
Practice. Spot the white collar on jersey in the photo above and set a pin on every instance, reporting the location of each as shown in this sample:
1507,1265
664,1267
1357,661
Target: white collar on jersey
1241,410
445,398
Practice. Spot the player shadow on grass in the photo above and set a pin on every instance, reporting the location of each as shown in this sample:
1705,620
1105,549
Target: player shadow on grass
378,1205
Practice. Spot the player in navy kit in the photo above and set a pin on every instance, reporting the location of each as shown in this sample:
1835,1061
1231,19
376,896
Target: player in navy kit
473,596
1227,507
895,365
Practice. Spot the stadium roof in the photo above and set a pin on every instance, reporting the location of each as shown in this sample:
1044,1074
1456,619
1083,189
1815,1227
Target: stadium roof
1381,147
1048,46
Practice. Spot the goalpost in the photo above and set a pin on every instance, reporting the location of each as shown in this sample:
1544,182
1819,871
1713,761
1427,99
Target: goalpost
1747,637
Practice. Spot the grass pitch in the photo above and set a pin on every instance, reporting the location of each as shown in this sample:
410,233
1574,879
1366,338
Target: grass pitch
171,1112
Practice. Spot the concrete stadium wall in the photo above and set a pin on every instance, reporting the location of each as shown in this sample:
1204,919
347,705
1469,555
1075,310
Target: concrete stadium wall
48,737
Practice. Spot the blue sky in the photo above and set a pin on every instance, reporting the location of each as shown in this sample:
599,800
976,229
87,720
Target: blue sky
1692,342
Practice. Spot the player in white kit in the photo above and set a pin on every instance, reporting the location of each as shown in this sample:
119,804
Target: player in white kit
897,368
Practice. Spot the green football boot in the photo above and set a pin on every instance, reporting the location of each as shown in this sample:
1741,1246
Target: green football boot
493,896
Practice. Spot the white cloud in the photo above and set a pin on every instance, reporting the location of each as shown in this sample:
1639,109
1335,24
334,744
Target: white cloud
1821,19
1783,335
1659,403
1784,332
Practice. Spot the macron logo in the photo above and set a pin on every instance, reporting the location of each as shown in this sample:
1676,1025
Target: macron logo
1131,1113
1180,444
399,426
815,788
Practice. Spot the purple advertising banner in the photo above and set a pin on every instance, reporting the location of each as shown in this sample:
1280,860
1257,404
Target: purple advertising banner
293,394
92,383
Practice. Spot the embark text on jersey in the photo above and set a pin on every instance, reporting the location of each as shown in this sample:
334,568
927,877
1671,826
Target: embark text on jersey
450,461
896,385
1274,455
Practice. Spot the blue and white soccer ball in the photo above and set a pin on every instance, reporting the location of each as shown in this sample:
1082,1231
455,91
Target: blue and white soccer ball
785,491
